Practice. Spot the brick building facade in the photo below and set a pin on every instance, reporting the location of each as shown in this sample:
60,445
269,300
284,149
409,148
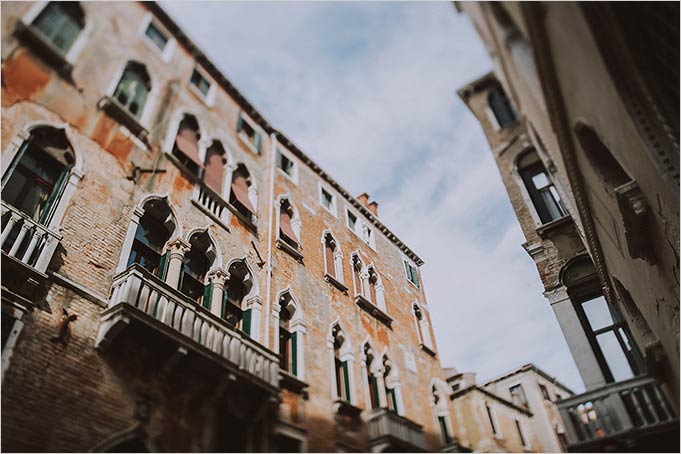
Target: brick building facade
177,274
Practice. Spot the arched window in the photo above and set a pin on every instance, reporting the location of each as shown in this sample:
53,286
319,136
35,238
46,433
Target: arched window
60,23
501,107
37,176
329,251
373,282
422,327
153,231
186,146
290,335
242,197
333,260
440,408
541,190
133,88
614,348
214,173
287,219
357,271
238,287
195,265
390,388
341,372
372,382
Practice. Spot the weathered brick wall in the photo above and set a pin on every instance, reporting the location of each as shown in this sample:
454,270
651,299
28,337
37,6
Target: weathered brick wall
70,398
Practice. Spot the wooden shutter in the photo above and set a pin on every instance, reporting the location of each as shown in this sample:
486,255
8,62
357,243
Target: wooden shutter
215,170
330,263
372,289
285,226
162,267
246,322
187,141
346,382
240,191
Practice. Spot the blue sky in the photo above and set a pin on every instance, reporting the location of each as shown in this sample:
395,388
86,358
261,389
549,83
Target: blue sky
375,83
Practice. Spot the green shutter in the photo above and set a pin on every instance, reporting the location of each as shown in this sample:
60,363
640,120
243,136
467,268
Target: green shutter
346,377
375,401
50,205
258,141
294,354
239,123
246,322
207,295
162,267
16,160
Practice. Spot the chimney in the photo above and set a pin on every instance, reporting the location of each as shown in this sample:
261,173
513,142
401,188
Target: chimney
364,200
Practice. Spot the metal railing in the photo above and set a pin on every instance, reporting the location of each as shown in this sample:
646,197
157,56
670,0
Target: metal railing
614,409
26,240
383,425
145,292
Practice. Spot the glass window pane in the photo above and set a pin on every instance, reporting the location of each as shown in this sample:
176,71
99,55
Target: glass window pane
597,313
540,180
155,35
614,356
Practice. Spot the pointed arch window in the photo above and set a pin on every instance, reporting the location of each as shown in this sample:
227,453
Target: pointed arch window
498,102
341,372
37,176
423,329
329,252
215,162
390,389
238,287
60,23
357,271
186,145
372,381
195,265
286,232
133,88
441,412
373,282
153,231
240,194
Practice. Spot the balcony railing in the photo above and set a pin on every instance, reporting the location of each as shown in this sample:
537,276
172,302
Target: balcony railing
26,240
136,291
389,428
211,202
615,410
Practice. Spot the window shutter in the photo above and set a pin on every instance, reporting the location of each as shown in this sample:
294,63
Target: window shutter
57,191
375,402
246,322
162,267
187,142
258,141
357,279
215,170
239,123
294,354
346,379
207,295
330,263
240,191
16,160
372,289
285,226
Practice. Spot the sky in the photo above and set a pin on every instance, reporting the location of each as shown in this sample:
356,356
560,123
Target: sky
375,83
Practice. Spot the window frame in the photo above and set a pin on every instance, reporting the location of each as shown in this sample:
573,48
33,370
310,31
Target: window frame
334,198
208,98
243,116
165,54
409,263
280,151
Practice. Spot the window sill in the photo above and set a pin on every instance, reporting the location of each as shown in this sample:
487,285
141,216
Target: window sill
428,350
549,228
244,138
244,220
119,113
205,99
345,408
45,49
290,250
290,178
372,309
292,383
335,282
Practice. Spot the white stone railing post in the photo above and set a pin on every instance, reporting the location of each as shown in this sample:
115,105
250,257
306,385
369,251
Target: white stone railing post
177,248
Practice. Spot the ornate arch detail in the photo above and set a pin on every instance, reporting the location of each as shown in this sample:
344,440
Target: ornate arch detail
165,197
255,288
217,262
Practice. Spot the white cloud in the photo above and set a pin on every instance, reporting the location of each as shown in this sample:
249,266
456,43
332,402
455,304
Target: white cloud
376,83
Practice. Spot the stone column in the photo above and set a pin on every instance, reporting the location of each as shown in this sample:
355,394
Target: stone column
254,304
217,278
176,250
576,338
382,396
298,327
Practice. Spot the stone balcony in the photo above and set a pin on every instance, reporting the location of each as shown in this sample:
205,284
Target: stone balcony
623,415
143,310
27,250
390,432
212,203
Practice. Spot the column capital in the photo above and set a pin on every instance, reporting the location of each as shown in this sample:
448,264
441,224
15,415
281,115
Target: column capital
218,276
253,301
179,246
557,294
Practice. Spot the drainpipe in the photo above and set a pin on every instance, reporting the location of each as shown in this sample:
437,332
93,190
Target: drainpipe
270,210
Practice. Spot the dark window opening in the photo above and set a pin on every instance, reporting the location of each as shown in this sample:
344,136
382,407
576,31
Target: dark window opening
327,200
340,367
239,195
201,83
195,265
544,392
284,164
156,36
7,326
446,437
542,192
186,146
286,232
329,251
491,419
237,288
247,131
501,107
520,433
412,273
352,221
518,396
